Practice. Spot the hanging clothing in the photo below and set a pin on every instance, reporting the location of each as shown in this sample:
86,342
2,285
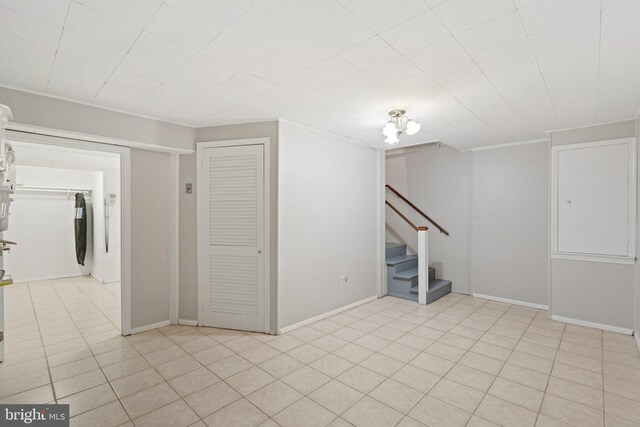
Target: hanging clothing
80,225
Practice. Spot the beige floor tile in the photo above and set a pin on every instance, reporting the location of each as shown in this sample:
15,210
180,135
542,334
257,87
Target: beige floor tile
24,382
579,361
621,371
155,343
230,366
622,407
519,394
347,334
434,412
371,413
613,421
505,413
117,355
68,357
536,363
331,365
246,382
631,360
480,422
445,351
499,340
260,353
127,367
409,422
241,344
434,364
381,364
306,379
285,343
584,350
212,354
240,413
471,377
481,362
78,383
38,395
416,378
414,341
400,352
372,342
524,376
149,399
178,367
307,334
136,382
622,387
353,353
73,368
307,353
279,366
89,399
326,326
109,415
575,392
396,395
336,396
304,413
491,350
571,413
458,395
164,355
209,400
578,375
274,397
360,378
176,414
544,421
193,381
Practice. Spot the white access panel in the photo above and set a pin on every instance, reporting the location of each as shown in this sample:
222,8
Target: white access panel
232,191
593,206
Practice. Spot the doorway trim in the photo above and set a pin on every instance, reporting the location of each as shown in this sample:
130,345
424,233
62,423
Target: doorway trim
125,205
200,146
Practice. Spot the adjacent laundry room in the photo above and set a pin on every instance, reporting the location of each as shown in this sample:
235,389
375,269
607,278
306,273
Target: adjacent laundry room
65,222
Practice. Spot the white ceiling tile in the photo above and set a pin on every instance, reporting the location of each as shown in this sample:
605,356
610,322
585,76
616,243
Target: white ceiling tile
421,31
100,27
24,65
260,30
51,11
143,67
381,15
524,3
331,70
606,4
216,13
617,66
293,57
12,47
157,49
434,3
415,83
297,14
621,17
465,69
617,101
247,83
370,53
83,66
234,52
180,28
202,72
341,31
74,84
576,108
357,85
460,15
137,13
394,70
547,14
22,81
438,54
509,53
499,31
24,27
83,46
124,88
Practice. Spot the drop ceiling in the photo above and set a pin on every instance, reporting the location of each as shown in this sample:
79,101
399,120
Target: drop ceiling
472,72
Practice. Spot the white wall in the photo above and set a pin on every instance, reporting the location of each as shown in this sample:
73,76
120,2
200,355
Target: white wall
328,223
509,218
592,291
43,225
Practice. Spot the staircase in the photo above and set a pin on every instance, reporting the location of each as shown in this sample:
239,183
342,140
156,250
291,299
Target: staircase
402,276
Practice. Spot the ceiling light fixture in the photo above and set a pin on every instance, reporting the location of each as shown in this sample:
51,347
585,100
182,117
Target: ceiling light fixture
397,124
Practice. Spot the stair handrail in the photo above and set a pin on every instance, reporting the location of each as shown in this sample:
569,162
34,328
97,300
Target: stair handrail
415,208
415,227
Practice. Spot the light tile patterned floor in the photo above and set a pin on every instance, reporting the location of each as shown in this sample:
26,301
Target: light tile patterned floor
458,362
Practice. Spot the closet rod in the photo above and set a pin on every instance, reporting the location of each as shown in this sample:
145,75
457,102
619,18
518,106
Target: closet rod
53,189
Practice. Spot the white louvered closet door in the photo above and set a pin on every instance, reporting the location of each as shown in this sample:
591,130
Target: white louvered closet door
233,197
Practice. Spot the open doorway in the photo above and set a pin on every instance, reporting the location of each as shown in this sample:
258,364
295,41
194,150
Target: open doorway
66,265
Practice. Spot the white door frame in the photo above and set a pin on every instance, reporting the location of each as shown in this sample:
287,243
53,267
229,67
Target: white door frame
125,205
201,218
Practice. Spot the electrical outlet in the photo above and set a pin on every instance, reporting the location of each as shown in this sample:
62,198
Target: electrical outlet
189,188
344,280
